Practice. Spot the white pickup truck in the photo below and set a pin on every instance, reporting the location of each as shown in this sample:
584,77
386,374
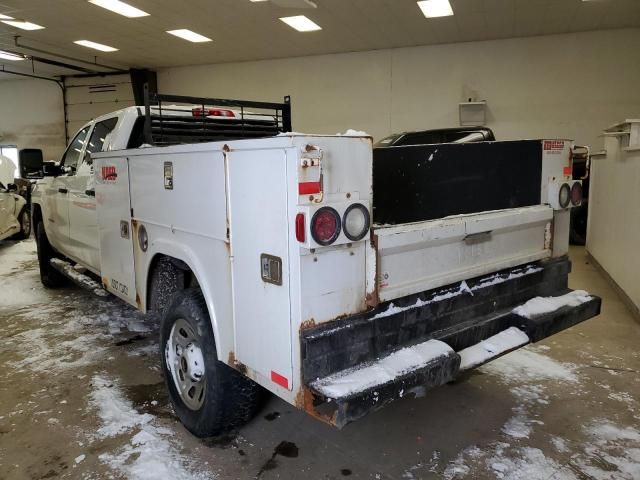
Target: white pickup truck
336,276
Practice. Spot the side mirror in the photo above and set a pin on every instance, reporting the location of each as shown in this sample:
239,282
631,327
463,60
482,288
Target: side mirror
31,163
87,158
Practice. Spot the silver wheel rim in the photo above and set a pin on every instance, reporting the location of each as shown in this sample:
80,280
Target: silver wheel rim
26,223
186,363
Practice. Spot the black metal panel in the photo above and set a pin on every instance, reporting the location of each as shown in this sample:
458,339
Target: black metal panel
458,320
426,182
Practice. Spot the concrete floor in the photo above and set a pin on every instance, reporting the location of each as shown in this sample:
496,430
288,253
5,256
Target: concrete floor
81,396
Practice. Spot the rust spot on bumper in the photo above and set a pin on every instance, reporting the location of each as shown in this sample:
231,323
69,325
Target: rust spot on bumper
234,363
307,324
305,400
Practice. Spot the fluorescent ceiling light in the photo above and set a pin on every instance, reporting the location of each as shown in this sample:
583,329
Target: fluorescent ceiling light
435,8
256,1
23,24
10,56
5,17
189,35
120,8
96,46
301,23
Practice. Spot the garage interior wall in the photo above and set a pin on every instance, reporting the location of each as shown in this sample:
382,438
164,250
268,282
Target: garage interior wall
32,116
565,86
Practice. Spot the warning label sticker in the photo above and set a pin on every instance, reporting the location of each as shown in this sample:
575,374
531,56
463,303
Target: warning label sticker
553,146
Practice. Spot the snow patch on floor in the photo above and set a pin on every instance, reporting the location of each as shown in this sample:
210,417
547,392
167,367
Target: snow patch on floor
384,370
526,365
151,453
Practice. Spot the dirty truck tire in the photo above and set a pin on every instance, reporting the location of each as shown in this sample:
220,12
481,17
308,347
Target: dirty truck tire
49,276
25,224
216,398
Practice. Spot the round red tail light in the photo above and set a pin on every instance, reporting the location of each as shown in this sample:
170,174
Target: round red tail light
564,195
576,194
356,222
325,226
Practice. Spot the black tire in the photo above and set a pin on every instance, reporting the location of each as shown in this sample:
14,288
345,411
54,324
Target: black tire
25,224
230,399
49,276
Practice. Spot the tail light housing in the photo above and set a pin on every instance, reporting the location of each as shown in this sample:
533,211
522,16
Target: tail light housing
325,226
576,194
356,222
564,195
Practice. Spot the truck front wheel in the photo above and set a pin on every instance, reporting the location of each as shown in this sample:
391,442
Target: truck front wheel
49,276
25,223
208,396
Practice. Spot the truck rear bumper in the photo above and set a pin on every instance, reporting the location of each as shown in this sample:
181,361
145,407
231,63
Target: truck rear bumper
361,363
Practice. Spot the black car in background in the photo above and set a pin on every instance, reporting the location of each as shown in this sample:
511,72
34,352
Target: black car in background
440,135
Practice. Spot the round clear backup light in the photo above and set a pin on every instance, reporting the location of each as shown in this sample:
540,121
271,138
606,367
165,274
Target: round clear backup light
564,195
356,222
576,194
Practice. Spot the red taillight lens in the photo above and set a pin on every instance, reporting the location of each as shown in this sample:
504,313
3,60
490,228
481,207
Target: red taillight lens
325,226
576,194
300,234
212,112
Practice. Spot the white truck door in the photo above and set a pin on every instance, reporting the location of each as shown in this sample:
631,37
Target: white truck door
257,196
83,220
113,207
57,195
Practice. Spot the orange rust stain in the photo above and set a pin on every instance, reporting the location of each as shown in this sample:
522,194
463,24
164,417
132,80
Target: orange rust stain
304,401
307,324
105,282
138,301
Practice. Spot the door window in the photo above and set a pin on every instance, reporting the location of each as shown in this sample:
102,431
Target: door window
99,135
72,155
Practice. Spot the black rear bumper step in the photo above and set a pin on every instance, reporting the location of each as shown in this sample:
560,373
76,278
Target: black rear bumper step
460,315
446,368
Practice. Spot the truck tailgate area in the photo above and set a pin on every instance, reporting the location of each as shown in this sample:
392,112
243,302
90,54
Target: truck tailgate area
420,256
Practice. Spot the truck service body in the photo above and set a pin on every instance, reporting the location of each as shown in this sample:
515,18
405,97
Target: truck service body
322,280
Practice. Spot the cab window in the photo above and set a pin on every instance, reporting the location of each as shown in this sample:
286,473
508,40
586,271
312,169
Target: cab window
99,135
72,155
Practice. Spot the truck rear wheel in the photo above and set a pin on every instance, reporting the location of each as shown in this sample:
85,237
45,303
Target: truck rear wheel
208,396
49,276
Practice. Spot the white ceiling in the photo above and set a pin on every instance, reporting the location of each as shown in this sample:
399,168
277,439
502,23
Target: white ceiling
243,30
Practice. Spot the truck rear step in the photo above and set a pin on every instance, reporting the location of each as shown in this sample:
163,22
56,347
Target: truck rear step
79,278
359,364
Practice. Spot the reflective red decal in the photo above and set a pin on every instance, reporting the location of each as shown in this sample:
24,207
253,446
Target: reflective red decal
308,188
279,379
568,170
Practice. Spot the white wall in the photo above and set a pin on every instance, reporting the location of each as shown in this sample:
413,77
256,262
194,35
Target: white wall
31,116
554,86
613,236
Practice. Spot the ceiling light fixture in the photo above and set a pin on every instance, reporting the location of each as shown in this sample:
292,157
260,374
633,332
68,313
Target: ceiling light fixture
301,23
95,46
24,25
5,17
120,8
189,35
11,56
435,8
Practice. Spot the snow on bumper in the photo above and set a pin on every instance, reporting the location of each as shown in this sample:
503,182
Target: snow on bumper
431,342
